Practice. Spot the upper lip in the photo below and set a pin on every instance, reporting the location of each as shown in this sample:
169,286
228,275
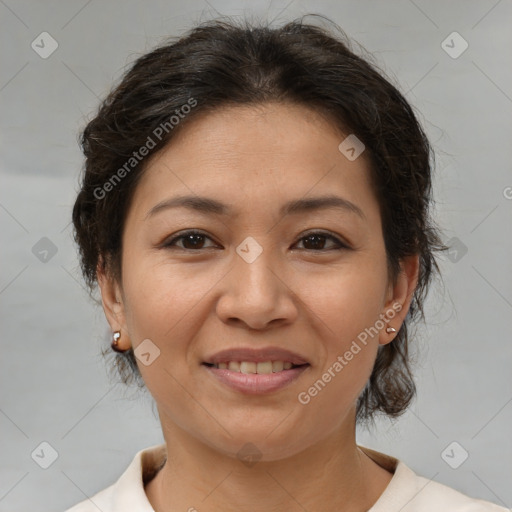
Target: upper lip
256,355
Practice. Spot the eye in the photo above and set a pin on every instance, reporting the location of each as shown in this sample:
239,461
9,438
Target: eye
316,241
194,240
191,240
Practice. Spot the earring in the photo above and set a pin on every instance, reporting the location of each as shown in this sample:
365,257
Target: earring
390,329
115,342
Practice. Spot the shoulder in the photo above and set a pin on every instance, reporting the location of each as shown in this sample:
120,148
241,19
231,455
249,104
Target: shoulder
127,493
429,495
409,492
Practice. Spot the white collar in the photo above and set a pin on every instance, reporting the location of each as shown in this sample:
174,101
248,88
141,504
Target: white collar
406,491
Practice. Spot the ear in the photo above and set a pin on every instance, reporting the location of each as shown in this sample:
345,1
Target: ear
113,305
400,297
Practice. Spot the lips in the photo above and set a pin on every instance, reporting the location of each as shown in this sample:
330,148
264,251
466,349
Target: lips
256,371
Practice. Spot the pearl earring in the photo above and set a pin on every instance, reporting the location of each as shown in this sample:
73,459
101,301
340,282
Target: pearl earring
115,342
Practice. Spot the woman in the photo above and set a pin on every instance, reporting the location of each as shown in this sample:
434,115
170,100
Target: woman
255,212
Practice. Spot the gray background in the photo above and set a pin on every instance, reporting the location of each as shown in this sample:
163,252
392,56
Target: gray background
54,382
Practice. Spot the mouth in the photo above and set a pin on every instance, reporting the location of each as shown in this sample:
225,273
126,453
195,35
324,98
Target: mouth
255,372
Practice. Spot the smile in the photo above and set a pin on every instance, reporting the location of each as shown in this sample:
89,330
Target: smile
253,378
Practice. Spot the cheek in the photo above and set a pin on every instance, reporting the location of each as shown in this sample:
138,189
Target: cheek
348,300
345,307
163,307
349,350
161,296
166,307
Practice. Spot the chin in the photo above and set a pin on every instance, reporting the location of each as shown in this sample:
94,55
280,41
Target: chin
261,444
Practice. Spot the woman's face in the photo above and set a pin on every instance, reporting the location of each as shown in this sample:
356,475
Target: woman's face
255,279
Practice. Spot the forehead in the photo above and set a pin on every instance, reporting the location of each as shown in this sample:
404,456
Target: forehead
255,159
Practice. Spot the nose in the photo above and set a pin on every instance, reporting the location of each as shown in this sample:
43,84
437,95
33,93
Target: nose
258,293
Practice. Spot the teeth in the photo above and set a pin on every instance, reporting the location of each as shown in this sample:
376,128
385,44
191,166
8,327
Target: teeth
252,367
246,367
234,366
277,366
265,367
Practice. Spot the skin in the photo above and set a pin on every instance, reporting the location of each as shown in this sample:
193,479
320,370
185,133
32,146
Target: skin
312,301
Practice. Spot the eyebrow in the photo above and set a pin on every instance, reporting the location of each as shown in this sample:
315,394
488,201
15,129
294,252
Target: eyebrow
212,206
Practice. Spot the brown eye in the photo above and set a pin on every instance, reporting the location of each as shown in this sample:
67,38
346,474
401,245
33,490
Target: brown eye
317,242
191,240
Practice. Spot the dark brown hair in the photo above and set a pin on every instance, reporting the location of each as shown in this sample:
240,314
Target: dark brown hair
225,63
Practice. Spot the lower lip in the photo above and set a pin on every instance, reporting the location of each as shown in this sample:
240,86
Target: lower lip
254,383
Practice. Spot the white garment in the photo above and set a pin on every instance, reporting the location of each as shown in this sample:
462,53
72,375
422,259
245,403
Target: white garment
406,492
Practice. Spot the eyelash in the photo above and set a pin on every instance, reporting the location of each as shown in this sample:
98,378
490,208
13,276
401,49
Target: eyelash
340,245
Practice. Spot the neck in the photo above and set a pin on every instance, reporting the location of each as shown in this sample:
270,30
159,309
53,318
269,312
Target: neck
333,474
